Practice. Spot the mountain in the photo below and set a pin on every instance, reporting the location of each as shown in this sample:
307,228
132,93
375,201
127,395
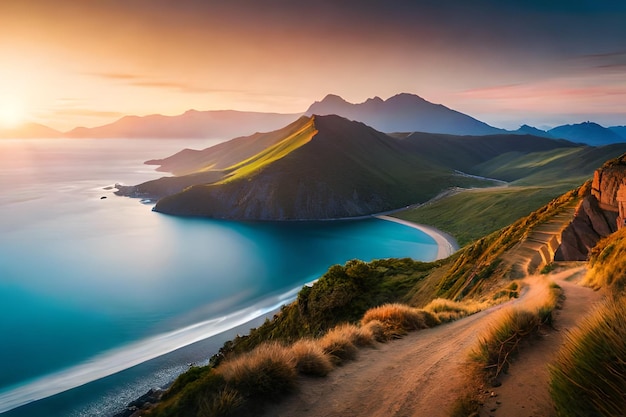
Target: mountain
587,132
620,130
191,124
30,131
323,167
403,113
329,167
530,130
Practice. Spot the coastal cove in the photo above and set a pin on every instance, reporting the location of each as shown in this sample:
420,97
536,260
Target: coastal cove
100,292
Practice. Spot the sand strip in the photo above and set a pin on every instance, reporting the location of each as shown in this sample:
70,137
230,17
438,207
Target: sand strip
446,244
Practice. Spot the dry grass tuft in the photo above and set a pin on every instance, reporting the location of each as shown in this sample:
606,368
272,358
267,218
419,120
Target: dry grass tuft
448,310
338,344
399,318
310,358
497,346
266,372
377,329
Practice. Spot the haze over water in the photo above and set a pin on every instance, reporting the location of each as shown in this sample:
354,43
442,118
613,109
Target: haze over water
92,286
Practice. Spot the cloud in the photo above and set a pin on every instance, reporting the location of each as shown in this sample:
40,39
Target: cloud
151,82
115,75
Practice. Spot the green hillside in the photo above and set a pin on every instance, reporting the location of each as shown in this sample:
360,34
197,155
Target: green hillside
346,169
537,178
226,154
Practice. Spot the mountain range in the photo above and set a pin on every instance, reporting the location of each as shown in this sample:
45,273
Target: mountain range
30,131
326,167
191,124
401,113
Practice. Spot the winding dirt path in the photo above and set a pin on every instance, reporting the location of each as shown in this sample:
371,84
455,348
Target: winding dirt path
525,388
419,375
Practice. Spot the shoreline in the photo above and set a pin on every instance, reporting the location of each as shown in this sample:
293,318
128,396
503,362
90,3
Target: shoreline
446,244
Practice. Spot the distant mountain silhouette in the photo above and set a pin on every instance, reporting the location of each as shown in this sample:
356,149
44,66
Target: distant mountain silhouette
220,124
588,132
620,130
323,167
403,113
530,130
30,131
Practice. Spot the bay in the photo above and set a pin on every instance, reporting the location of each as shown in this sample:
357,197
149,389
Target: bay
101,297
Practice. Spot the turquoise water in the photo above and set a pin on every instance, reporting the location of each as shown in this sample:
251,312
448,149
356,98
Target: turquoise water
97,292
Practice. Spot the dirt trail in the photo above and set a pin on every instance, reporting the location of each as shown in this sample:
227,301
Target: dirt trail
525,390
419,375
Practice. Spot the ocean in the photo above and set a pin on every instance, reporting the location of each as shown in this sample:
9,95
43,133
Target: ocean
101,298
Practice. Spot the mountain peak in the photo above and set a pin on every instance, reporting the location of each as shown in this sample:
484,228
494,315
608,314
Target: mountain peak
403,112
332,99
587,132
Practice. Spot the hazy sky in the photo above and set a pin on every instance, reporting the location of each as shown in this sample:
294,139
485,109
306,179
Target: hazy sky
88,62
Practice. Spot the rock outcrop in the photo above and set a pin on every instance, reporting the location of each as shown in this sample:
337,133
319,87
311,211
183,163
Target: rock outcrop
601,212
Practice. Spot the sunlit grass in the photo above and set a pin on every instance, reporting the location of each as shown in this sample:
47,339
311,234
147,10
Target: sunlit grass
398,319
310,358
588,377
447,310
268,372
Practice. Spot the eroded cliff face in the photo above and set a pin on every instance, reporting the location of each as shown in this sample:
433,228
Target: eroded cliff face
601,212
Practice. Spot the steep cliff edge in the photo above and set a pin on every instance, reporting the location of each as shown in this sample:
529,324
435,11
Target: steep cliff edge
601,212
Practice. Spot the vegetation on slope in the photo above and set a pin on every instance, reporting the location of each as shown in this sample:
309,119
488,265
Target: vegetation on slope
301,135
479,265
342,294
241,384
537,178
472,214
588,377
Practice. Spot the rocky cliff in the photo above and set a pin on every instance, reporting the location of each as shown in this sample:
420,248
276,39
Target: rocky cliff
601,212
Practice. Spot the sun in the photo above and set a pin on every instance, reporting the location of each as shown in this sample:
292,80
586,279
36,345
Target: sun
11,114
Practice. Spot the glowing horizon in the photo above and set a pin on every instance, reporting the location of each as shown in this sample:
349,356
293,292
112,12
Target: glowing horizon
68,64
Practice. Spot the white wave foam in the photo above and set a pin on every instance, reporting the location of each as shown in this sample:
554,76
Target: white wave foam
133,354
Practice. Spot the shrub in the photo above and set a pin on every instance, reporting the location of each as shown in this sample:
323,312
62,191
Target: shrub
310,358
226,402
377,329
502,340
448,310
338,344
588,377
400,318
190,394
267,372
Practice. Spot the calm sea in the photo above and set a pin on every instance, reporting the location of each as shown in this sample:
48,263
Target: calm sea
102,299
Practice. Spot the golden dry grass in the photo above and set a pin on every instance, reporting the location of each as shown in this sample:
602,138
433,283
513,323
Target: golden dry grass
268,371
338,343
398,319
310,358
448,310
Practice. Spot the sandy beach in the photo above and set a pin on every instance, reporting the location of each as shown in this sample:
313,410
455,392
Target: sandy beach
446,244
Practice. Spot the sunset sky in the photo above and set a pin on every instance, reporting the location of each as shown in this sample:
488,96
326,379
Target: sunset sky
67,63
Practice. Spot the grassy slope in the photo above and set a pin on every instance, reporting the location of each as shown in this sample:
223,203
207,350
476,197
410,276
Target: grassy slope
294,139
537,177
226,154
472,214
588,376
